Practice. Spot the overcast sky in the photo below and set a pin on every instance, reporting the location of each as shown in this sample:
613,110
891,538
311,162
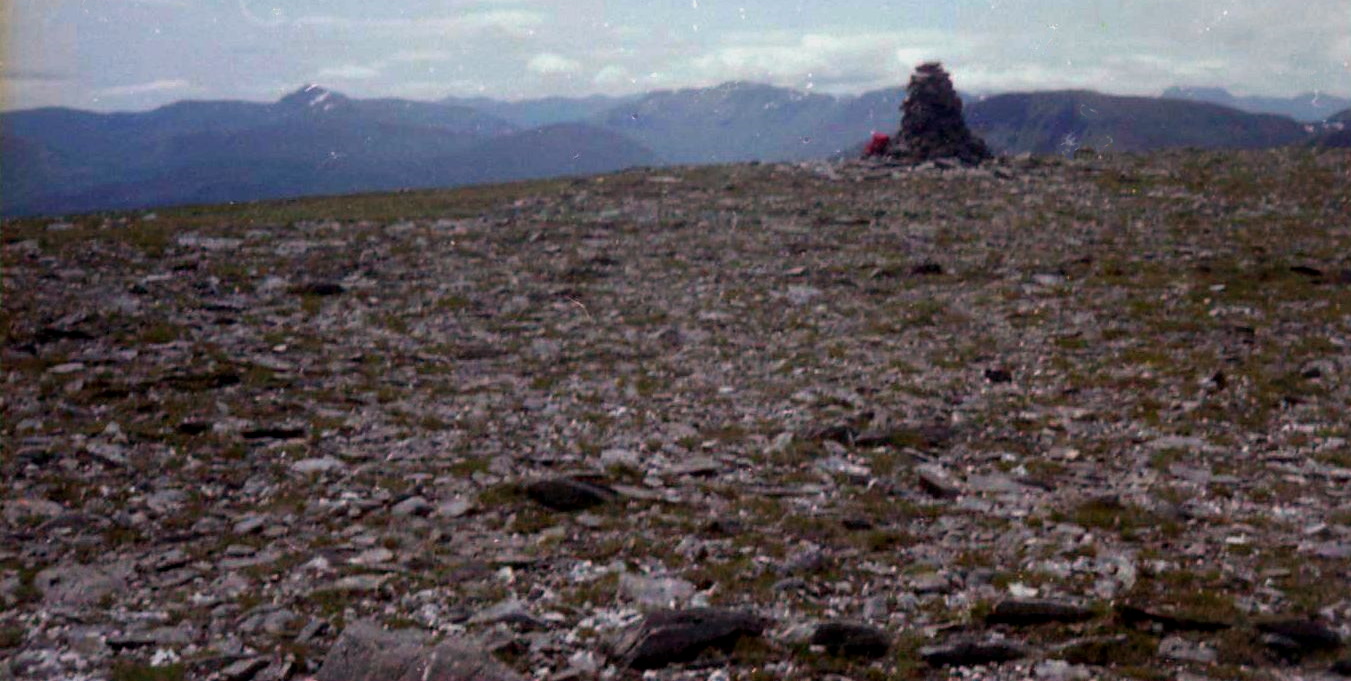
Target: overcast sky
137,54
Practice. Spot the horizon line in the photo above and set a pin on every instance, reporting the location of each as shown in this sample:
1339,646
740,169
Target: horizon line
848,95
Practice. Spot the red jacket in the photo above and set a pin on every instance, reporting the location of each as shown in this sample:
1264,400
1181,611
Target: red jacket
878,145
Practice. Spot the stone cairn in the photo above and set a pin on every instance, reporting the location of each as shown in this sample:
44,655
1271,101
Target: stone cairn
931,123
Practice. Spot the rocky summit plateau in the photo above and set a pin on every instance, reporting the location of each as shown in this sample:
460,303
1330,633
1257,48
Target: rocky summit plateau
1042,418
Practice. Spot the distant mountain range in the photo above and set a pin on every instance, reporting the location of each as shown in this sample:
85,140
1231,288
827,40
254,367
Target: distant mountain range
1309,107
533,113
1062,121
315,141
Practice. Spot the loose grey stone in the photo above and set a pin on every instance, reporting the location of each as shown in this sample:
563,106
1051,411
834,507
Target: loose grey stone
243,670
699,466
931,583
1060,670
512,612
806,560
655,592
454,508
1182,650
325,464
358,583
937,483
412,506
249,525
365,652
875,608
996,483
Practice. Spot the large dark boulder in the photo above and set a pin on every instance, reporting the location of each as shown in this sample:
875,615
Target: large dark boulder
673,636
569,494
970,652
1027,612
851,639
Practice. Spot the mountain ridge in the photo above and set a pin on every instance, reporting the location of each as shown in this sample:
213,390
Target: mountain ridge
1307,107
316,140
1065,120
310,141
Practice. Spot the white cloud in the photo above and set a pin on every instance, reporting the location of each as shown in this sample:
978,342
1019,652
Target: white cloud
833,62
1144,46
514,22
613,75
550,64
153,86
531,48
348,72
420,56
180,4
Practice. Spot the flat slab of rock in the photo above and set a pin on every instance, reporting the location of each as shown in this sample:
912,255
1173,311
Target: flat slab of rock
365,652
851,639
674,636
77,585
1133,615
1299,637
970,653
1026,612
569,494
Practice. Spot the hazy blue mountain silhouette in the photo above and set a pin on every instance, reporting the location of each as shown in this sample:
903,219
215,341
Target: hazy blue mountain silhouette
316,141
310,142
749,121
1307,107
1060,121
533,113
